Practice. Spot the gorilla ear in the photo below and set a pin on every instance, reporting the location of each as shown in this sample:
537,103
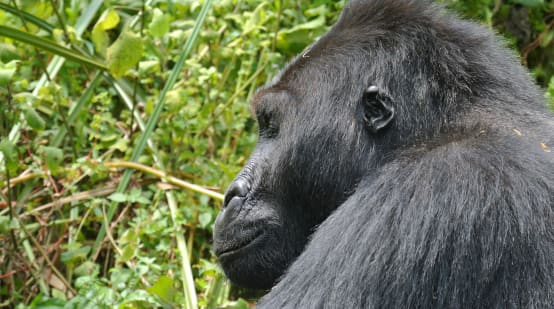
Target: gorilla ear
378,110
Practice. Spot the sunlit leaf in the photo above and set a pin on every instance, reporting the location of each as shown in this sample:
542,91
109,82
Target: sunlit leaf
205,219
256,19
128,252
118,197
100,37
7,71
163,288
159,25
124,53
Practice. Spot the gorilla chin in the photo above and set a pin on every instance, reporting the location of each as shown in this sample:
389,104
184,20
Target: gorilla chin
246,254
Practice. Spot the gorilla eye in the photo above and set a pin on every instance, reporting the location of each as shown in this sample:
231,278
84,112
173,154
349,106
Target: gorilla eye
268,124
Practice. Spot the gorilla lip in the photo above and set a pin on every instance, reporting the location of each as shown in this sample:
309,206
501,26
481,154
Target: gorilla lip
225,252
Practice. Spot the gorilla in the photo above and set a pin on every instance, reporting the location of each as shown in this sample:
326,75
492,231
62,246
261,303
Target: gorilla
404,161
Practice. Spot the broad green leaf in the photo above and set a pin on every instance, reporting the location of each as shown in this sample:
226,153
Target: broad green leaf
205,219
547,38
128,252
7,71
295,39
100,37
256,19
8,52
163,288
75,253
118,197
87,268
124,53
108,20
317,11
129,236
4,224
41,302
159,25
34,120
53,157
8,149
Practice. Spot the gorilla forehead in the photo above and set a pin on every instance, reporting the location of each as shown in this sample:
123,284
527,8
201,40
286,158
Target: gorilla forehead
399,36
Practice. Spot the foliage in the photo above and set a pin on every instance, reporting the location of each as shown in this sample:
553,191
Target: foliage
69,128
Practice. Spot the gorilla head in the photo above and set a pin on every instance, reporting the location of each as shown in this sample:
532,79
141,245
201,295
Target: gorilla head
368,128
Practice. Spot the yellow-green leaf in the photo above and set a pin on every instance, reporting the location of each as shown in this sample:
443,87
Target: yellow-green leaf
159,25
124,53
100,37
7,71
108,20
163,288
256,19
127,253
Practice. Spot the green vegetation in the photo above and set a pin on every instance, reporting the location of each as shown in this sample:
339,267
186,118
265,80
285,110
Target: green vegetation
121,123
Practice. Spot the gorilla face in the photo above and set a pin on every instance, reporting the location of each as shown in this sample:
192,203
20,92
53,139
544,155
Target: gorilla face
309,157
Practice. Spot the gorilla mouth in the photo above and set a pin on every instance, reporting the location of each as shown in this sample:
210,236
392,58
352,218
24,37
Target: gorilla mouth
234,247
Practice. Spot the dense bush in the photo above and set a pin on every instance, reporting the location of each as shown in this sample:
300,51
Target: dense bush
143,90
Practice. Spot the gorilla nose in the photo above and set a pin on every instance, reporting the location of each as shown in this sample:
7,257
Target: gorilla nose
239,188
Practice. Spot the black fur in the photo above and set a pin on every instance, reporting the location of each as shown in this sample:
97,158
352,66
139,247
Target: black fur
448,205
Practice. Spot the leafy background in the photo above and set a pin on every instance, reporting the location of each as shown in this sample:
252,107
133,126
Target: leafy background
121,123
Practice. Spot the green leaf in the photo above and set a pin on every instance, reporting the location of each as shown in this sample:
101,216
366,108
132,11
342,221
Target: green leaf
100,38
8,52
87,268
9,151
124,53
159,25
75,253
205,219
46,303
4,224
547,38
530,3
295,39
118,197
163,288
7,71
256,19
34,120
127,253
53,157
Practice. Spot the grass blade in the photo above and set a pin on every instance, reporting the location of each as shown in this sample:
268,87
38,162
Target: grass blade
28,17
49,46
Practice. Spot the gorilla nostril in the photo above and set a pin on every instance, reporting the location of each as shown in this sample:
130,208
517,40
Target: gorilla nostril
238,188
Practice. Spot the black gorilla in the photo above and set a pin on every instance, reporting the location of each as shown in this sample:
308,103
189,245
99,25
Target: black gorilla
403,161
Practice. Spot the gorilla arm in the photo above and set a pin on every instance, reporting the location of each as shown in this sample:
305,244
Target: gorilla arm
458,226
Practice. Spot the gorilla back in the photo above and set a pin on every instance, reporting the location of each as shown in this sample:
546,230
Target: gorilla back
403,161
